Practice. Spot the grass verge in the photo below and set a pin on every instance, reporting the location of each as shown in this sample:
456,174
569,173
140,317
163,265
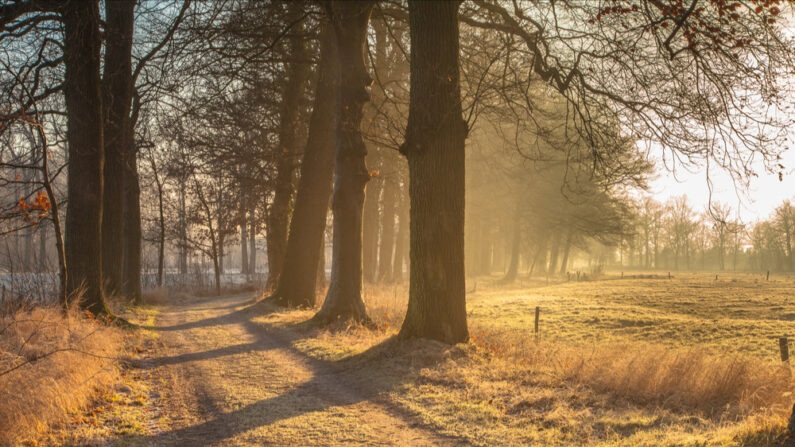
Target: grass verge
52,364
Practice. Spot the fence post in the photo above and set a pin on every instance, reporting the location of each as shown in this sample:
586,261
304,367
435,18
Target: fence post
783,346
535,329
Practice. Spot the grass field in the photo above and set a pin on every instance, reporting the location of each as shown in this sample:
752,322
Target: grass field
736,314
620,361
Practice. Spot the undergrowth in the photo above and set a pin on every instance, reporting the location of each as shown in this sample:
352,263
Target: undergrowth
51,364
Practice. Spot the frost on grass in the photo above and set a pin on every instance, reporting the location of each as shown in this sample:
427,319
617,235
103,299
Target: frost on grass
51,364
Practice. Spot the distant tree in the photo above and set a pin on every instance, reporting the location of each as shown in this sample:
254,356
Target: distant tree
680,226
724,229
785,221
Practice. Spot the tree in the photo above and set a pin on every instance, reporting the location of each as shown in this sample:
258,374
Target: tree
434,147
719,214
82,83
304,244
785,220
344,296
294,86
117,89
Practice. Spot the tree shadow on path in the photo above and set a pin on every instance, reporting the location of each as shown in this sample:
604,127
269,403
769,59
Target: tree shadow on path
332,384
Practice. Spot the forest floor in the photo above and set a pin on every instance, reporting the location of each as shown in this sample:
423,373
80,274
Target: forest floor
619,361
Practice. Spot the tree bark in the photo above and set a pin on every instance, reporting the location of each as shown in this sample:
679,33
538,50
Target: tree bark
278,215
117,90
386,247
83,250
370,228
132,223
401,243
434,146
305,242
344,296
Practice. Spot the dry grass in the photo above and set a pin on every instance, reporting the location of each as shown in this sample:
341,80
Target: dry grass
634,362
51,364
157,296
689,377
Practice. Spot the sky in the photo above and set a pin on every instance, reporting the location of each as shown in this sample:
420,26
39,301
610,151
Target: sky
765,193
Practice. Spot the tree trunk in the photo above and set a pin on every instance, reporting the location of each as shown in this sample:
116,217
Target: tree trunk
370,223
434,147
161,249
553,255
83,250
42,267
132,224
401,243
539,259
344,296
244,245
564,264
117,90
183,231
387,229
321,265
513,267
278,216
216,264
297,283
252,243
220,252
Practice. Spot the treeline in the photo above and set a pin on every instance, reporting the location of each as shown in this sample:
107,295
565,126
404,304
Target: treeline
199,126
676,236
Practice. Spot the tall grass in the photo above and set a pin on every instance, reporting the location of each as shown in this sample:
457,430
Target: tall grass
711,383
51,364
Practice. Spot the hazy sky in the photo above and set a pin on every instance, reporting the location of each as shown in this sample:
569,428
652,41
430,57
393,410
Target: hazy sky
765,193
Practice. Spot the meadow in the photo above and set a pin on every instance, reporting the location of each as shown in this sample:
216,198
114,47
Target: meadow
633,360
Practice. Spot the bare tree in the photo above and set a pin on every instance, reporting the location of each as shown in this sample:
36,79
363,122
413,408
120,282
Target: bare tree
344,297
305,242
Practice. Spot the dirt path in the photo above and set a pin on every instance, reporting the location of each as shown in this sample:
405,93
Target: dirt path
227,381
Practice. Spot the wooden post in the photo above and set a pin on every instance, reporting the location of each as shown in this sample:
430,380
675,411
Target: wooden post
783,346
669,275
767,277
538,311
